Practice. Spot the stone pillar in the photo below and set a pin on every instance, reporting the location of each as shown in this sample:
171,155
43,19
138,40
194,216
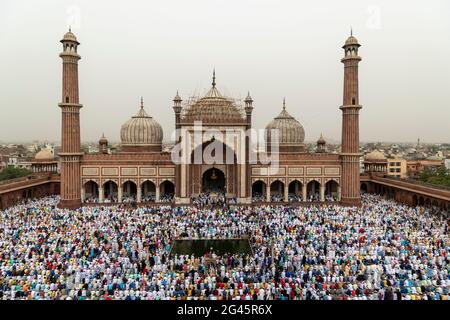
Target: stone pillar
339,193
268,193
322,193
157,194
101,194
82,194
304,192
119,194
139,194
286,193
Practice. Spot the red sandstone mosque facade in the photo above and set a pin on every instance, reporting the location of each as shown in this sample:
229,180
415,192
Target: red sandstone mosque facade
142,171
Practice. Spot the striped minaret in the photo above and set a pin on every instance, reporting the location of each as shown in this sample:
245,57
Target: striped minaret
350,155
70,154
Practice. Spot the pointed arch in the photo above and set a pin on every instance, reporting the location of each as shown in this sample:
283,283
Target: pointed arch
277,190
331,190
110,191
259,190
313,190
167,191
129,191
148,191
91,191
295,190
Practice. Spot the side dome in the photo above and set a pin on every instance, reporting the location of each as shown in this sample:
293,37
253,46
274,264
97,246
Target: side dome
141,133
291,135
213,108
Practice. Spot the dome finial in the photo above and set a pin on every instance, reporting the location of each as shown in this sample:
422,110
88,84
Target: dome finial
214,78
284,103
142,102
351,31
70,28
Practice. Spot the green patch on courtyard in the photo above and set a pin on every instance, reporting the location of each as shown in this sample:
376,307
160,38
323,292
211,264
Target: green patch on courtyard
200,247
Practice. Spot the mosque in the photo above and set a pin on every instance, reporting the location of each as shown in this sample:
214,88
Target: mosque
143,171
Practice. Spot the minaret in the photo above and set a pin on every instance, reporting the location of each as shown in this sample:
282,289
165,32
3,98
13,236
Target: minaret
350,125
248,112
70,125
177,108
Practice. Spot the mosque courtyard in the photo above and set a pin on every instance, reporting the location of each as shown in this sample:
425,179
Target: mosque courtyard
381,251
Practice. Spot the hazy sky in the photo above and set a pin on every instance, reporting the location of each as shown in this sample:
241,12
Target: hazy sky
273,48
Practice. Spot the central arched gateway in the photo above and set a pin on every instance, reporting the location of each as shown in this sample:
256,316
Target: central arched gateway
213,181
219,176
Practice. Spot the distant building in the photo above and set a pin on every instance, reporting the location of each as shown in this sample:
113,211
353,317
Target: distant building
3,164
415,167
19,161
396,167
447,163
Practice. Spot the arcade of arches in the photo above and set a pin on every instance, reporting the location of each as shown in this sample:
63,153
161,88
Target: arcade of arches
405,196
110,191
296,191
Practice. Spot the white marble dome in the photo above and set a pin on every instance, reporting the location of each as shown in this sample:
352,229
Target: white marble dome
290,130
141,130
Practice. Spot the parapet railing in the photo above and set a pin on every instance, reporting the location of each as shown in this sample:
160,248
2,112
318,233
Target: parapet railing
419,183
26,178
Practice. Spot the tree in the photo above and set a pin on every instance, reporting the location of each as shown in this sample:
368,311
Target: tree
439,176
12,173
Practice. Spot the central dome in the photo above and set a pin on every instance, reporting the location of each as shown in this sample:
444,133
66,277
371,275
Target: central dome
141,133
213,108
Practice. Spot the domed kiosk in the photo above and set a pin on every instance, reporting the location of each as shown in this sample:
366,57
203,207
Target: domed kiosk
375,162
44,161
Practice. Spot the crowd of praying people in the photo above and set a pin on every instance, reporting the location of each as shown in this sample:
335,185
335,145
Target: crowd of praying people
382,250
279,197
130,198
212,199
